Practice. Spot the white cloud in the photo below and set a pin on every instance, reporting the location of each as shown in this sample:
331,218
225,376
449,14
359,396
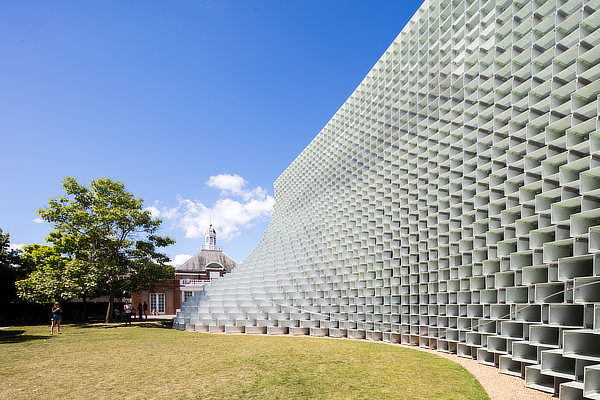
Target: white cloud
180,259
236,185
16,246
38,220
233,184
229,215
154,211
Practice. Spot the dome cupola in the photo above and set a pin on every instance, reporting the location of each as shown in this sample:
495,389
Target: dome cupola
210,239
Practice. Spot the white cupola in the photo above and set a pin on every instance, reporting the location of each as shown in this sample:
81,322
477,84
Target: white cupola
210,239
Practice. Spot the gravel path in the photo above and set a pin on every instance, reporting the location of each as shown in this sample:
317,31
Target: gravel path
498,386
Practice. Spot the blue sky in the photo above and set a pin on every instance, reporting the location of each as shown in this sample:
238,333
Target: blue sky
198,106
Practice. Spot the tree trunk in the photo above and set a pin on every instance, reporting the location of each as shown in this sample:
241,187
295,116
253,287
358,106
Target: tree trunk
111,307
84,316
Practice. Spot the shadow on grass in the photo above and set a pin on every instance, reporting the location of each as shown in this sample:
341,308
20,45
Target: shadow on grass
17,337
156,324
111,325
98,325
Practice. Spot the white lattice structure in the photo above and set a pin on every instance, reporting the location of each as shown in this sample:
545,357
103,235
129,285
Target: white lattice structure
453,202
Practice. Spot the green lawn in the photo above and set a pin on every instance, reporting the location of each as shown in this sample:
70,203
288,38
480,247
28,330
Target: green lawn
151,361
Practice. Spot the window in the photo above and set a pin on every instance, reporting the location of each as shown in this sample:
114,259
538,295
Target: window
187,294
157,302
214,275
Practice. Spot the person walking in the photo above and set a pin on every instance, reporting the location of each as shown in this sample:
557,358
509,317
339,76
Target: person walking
146,310
56,318
139,311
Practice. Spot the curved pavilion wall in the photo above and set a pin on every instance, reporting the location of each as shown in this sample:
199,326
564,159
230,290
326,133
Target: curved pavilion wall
453,202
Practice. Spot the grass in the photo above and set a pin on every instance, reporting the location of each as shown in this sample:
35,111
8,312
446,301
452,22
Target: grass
147,361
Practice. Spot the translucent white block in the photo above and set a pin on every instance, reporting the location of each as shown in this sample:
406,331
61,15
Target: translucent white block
510,367
591,382
544,335
571,391
581,344
535,379
554,364
587,290
234,329
570,315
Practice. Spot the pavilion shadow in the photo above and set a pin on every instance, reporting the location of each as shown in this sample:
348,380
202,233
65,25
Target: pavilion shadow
8,336
156,324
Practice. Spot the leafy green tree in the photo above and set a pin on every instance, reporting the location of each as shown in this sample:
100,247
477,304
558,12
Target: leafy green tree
49,279
10,269
107,242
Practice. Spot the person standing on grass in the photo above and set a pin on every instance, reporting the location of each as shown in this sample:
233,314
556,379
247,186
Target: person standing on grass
146,310
139,311
56,318
128,308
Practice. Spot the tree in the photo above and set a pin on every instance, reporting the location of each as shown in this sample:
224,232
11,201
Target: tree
106,240
54,276
10,269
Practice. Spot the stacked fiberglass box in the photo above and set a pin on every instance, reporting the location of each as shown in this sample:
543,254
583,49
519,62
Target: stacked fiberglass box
453,202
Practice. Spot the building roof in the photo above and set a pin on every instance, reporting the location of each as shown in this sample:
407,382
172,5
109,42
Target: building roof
207,258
